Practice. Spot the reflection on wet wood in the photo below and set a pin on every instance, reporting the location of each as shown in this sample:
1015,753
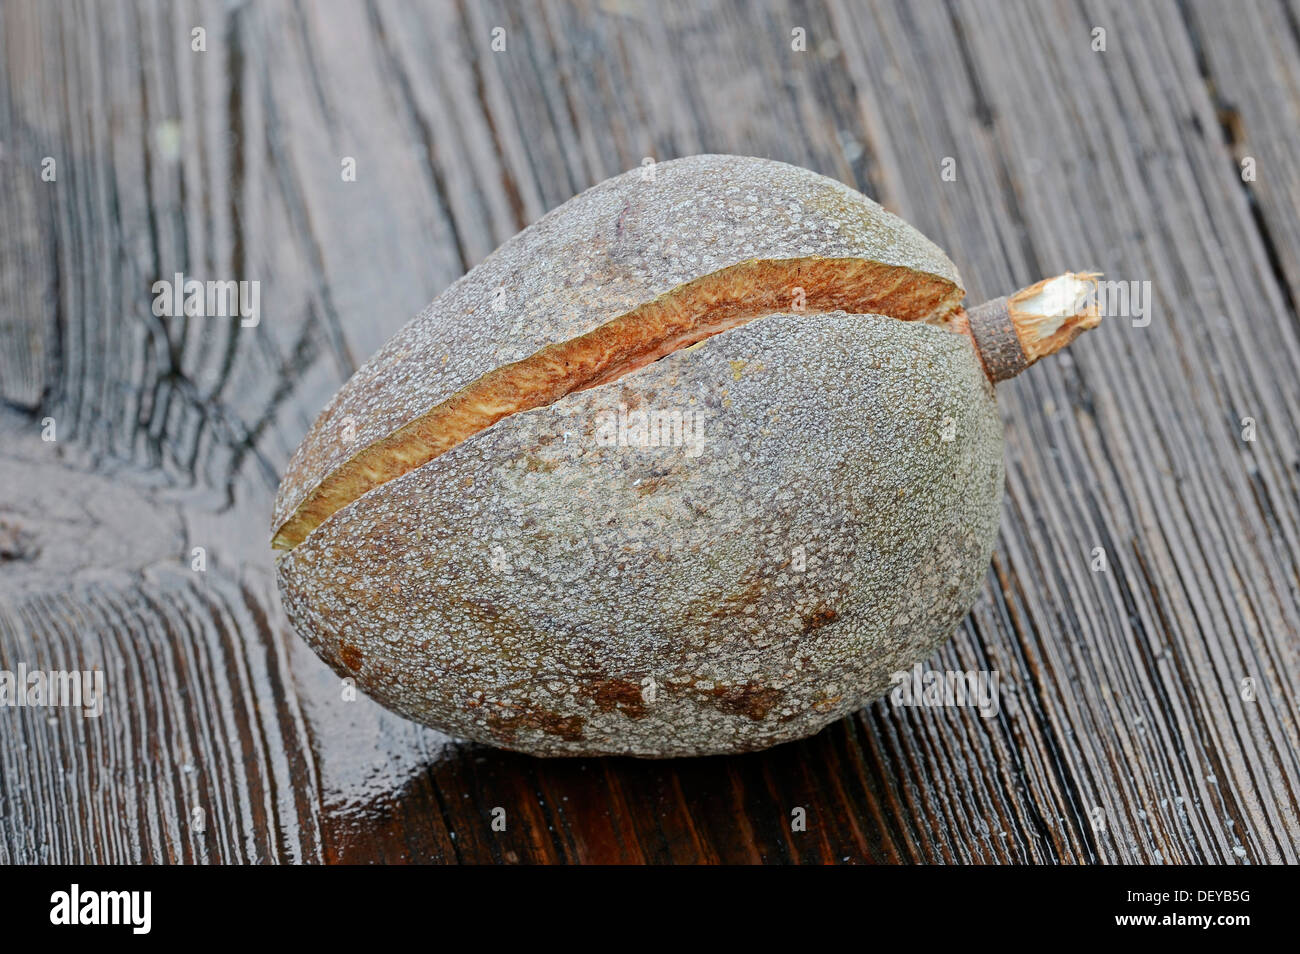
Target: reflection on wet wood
1148,711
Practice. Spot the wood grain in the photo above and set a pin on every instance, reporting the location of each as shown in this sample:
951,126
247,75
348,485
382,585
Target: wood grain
1128,731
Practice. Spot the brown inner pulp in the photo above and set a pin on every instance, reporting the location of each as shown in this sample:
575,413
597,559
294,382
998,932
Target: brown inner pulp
675,320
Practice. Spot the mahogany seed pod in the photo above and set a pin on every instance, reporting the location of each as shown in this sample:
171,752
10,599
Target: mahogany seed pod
691,465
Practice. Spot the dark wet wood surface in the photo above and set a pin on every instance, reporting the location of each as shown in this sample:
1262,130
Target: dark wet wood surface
1149,711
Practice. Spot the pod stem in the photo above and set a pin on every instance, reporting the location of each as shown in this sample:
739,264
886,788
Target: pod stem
1014,331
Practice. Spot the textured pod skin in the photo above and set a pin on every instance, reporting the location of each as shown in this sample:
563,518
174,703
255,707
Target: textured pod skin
541,590
620,244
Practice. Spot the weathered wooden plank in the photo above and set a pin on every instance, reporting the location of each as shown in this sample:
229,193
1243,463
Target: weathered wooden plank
1123,734
198,753
1048,94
